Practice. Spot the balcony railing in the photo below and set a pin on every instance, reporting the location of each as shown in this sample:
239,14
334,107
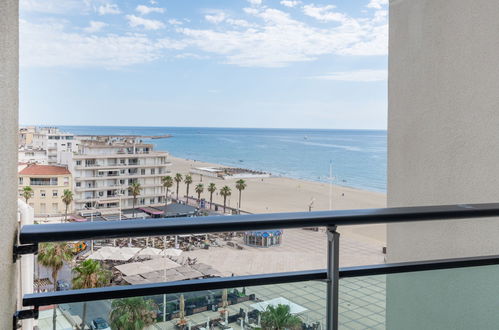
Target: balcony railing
30,236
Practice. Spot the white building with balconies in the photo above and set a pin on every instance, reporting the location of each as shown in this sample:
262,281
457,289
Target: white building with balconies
105,167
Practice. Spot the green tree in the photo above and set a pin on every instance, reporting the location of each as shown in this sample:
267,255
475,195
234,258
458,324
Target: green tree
199,190
280,318
27,193
132,313
135,189
178,178
240,185
67,199
211,188
188,181
53,256
89,274
225,192
167,183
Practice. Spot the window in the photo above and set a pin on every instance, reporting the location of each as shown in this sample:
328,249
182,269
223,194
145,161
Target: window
143,171
43,208
20,180
151,201
142,201
122,181
54,193
55,208
122,172
53,181
42,193
78,184
78,162
66,181
153,171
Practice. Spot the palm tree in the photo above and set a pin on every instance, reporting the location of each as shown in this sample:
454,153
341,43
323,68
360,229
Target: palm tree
27,193
178,178
211,188
89,274
188,181
279,318
199,190
132,313
167,183
240,185
67,199
53,256
225,192
135,190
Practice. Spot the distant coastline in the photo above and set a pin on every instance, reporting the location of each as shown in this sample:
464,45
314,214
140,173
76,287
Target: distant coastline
358,156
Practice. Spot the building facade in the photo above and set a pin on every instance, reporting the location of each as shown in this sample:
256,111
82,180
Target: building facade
105,167
51,141
48,183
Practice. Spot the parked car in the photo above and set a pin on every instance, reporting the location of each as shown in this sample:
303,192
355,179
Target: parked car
62,285
100,324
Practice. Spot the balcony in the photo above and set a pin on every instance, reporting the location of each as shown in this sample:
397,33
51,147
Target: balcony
332,298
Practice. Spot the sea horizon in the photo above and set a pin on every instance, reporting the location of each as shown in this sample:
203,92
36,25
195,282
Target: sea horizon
358,156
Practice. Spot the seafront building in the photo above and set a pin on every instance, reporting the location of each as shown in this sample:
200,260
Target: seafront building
104,167
48,183
45,145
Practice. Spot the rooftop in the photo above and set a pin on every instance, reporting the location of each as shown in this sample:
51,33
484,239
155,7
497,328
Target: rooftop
44,170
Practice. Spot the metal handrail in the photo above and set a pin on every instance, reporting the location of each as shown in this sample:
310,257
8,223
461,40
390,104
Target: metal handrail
33,234
115,292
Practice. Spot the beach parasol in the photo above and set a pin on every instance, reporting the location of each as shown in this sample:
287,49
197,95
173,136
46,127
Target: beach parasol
182,308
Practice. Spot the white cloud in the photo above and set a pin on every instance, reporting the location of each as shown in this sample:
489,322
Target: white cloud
356,76
53,6
215,18
290,3
377,4
144,10
94,26
255,2
148,24
50,45
324,13
109,8
280,40
174,21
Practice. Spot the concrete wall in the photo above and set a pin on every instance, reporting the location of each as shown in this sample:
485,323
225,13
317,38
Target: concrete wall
443,148
9,73
443,122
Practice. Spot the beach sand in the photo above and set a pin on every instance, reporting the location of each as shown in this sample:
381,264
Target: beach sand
301,249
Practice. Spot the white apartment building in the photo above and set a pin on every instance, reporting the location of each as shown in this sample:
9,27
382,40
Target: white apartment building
104,167
34,141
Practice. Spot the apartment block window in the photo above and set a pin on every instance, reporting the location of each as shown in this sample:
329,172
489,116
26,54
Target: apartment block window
122,161
78,184
121,180
122,171
53,181
42,193
54,193
142,201
151,201
143,171
20,180
78,162
153,171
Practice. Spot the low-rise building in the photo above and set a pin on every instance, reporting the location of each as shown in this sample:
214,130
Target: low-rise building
48,183
50,141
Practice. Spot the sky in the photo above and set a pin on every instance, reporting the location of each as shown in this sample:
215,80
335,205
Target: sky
209,63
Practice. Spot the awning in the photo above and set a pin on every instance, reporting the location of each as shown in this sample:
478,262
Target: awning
151,210
293,308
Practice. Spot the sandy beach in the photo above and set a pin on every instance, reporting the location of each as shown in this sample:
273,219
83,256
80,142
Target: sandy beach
360,244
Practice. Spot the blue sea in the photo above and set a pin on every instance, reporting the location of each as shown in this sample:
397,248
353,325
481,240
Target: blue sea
358,157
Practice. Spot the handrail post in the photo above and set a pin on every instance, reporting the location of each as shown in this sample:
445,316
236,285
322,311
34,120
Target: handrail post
333,276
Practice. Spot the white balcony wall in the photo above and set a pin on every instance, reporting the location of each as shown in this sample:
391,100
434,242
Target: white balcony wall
443,148
9,104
